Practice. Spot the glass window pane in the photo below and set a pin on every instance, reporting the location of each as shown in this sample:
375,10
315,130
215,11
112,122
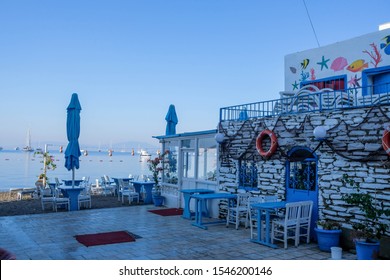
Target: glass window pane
207,159
188,164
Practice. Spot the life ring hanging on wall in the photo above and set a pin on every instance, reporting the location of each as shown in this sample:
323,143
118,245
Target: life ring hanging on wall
386,141
259,143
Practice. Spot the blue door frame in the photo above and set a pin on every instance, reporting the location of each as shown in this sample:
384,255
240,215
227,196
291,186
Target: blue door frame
301,179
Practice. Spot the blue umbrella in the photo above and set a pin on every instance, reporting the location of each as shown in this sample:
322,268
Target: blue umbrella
172,121
72,152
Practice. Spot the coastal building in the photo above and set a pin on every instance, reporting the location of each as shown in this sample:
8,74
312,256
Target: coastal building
331,119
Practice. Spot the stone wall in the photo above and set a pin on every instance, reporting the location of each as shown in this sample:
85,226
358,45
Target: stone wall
353,147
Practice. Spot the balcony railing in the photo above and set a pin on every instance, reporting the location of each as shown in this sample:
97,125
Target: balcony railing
310,99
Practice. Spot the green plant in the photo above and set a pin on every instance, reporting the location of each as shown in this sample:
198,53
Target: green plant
373,210
328,224
156,166
48,164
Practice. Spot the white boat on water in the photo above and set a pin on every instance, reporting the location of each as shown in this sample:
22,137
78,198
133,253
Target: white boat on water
28,147
144,153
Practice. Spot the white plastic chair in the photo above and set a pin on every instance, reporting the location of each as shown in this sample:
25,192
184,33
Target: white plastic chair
84,198
238,212
47,197
60,200
305,220
287,228
127,190
96,188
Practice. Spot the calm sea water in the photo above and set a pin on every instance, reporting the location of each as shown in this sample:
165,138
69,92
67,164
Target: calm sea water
21,169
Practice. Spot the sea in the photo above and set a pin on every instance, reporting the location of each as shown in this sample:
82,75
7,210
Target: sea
20,169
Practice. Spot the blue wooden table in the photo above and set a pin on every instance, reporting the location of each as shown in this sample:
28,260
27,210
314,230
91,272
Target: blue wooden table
73,195
266,208
69,182
187,197
147,186
201,199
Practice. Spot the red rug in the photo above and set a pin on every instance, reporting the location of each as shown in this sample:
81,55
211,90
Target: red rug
105,238
168,211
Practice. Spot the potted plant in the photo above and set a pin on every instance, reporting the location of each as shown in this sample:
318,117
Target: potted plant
156,167
328,234
368,231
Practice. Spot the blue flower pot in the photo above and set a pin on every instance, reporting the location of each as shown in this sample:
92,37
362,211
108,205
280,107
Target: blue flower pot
158,200
367,250
328,238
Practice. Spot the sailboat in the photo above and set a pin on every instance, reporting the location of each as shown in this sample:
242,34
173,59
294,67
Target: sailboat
28,148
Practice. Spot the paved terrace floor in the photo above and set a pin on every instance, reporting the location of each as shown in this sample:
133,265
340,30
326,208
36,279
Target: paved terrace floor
51,237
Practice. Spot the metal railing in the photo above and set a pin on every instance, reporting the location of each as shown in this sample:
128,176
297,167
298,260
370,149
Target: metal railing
310,99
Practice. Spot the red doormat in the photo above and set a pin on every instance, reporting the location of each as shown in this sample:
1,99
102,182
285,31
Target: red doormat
105,238
168,211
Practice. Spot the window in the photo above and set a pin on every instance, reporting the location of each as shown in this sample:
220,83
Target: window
302,170
247,174
335,83
171,163
207,159
376,81
188,150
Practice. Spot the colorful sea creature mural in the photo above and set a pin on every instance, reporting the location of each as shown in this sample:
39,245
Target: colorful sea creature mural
375,55
386,46
357,65
312,74
305,63
354,81
323,63
339,64
304,76
295,85
293,70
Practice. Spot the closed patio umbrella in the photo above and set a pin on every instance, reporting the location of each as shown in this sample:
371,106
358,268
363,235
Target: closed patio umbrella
172,121
72,152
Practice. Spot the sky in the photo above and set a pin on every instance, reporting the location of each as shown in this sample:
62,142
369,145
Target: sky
128,60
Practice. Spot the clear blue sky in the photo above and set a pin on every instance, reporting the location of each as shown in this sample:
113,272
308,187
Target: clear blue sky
129,60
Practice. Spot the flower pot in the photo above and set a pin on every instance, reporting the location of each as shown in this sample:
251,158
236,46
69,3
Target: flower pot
328,238
367,250
158,200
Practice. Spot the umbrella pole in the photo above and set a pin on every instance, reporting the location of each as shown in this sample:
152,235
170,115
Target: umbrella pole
73,178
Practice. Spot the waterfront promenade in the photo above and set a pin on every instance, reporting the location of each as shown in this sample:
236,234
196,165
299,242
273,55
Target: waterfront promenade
50,236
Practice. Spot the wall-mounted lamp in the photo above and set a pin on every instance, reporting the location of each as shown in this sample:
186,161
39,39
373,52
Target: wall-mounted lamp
320,132
220,138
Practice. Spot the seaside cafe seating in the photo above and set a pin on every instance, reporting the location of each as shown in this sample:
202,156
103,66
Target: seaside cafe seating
305,220
287,227
127,190
84,198
238,212
252,212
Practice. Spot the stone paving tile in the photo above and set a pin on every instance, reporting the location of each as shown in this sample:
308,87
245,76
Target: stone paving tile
51,236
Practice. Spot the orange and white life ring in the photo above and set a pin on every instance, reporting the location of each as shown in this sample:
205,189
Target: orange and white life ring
386,141
259,143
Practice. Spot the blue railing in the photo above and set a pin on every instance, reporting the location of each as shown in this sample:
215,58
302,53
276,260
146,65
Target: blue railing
309,99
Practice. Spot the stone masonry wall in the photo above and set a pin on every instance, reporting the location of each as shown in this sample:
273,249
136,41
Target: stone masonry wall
353,147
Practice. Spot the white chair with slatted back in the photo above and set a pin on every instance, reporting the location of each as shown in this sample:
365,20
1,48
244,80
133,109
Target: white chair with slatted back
238,212
127,190
47,197
84,198
59,200
288,227
305,220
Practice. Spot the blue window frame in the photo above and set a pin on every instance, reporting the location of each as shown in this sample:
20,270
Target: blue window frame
247,174
301,170
376,80
335,83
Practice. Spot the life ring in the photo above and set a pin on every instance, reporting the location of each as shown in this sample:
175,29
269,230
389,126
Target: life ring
386,141
259,143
